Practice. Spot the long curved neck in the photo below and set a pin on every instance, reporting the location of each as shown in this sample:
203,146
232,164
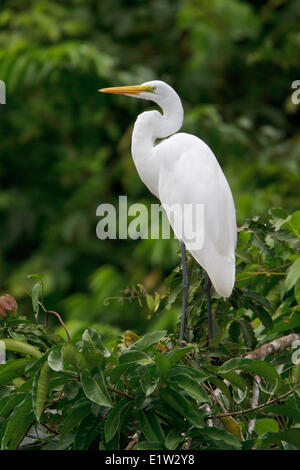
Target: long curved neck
148,127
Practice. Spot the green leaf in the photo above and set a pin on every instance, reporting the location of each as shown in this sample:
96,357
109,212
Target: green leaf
87,432
288,410
263,315
236,379
132,356
8,403
293,274
292,223
55,360
266,425
173,439
40,389
12,369
150,426
95,391
73,356
192,387
73,418
176,355
259,299
112,421
248,333
234,331
149,339
21,347
218,434
59,444
292,436
163,364
261,368
17,424
93,339
182,406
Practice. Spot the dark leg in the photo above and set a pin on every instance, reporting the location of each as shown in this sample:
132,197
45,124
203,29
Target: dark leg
185,292
207,285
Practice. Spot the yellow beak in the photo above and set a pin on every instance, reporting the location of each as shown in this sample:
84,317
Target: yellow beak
128,90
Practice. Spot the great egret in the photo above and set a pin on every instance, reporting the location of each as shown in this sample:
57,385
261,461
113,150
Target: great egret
182,169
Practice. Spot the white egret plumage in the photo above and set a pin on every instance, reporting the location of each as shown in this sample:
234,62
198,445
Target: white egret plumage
182,169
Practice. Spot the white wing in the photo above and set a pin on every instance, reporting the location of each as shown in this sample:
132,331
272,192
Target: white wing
190,174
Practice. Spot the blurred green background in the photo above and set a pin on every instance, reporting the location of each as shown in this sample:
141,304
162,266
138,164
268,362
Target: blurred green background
65,148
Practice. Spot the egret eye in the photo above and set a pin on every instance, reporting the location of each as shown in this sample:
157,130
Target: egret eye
150,89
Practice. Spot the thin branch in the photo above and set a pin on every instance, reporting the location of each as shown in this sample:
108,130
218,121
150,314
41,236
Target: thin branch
118,392
60,321
248,410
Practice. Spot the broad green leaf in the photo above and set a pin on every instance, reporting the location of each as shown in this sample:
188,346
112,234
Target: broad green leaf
150,426
292,223
73,418
59,444
73,356
8,403
72,389
286,409
94,391
112,421
21,347
218,434
132,356
292,436
176,355
192,387
163,364
116,372
93,339
264,425
86,432
250,294
232,427
40,389
263,315
182,406
248,333
293,274
12,369
149,339
236,379
261,368
173,439
17,424
55,360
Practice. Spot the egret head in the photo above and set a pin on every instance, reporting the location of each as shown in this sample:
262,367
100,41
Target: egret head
155,90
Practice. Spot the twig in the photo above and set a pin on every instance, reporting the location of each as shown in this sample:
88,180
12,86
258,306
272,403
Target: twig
118,392
236,413
60,321
50,429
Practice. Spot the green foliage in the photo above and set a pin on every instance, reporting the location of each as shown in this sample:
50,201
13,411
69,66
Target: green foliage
148,393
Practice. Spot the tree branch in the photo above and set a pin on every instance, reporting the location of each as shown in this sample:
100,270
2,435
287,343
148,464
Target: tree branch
274,346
